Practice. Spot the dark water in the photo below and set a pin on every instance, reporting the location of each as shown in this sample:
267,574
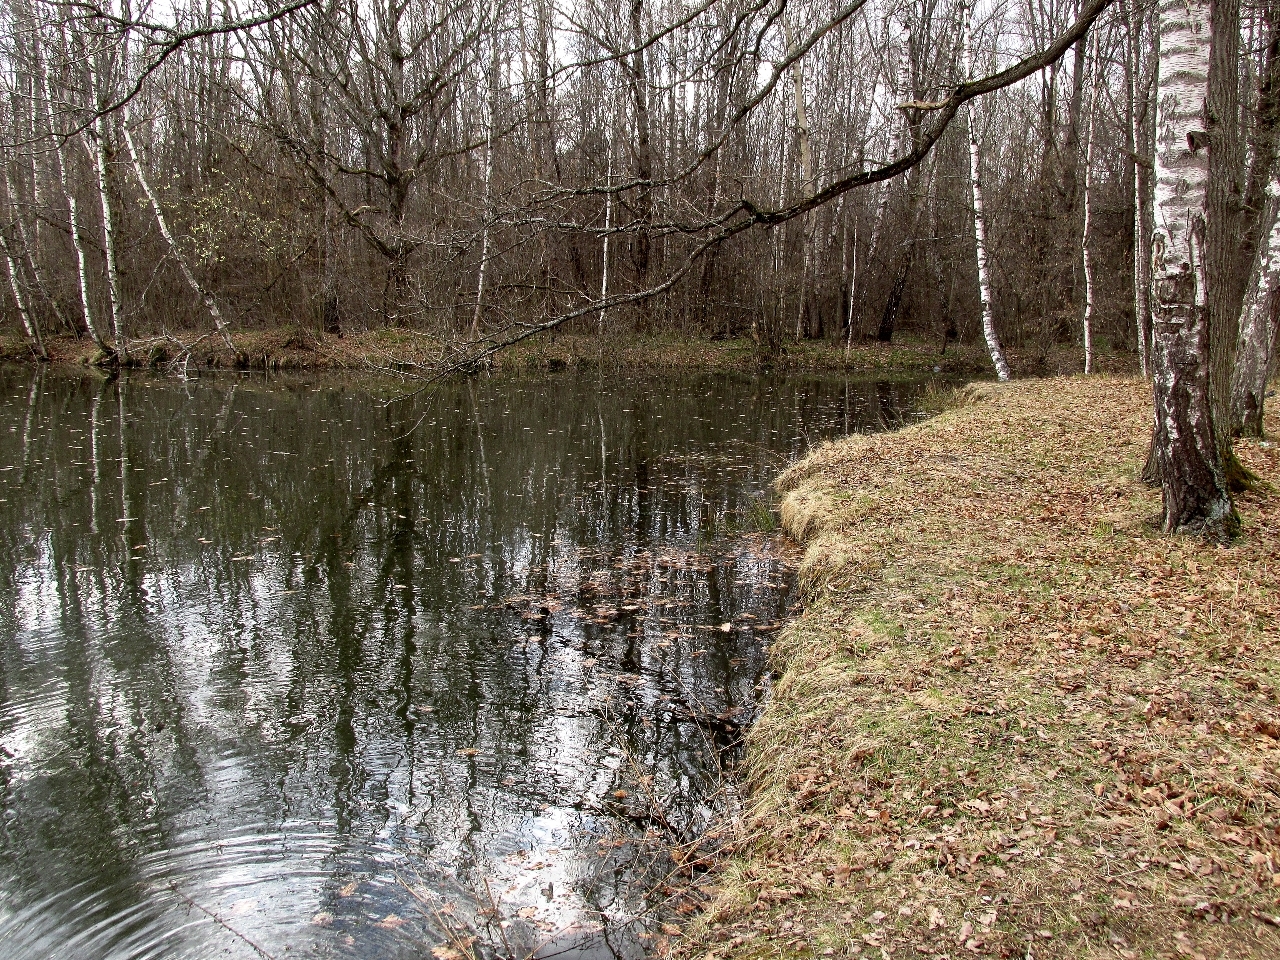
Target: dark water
281,677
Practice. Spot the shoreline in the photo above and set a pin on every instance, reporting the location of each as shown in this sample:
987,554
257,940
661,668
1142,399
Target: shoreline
400,352
1012,718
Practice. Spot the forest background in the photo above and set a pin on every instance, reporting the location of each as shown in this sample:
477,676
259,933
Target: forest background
465,169
1030,172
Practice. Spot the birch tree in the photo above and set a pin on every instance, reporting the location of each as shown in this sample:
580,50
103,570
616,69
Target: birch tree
29,323
1255,344
1140,78
100,156
979,218
804,145
1259,328
179,256
1184,445
1085,254
60,160
486,200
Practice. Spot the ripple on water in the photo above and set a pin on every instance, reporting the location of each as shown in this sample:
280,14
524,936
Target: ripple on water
288,888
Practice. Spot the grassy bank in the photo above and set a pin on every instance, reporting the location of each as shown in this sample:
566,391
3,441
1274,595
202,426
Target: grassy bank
400,350
1013,720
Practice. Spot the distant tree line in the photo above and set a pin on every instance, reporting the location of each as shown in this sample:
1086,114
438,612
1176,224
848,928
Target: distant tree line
457,168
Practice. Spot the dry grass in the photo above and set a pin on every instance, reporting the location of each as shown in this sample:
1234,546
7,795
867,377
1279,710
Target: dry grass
1014,720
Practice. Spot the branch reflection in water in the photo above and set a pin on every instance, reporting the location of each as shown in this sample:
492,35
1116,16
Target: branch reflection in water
277,674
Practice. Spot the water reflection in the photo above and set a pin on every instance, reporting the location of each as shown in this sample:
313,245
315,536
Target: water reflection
279,671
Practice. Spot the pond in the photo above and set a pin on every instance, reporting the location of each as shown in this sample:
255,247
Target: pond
291,667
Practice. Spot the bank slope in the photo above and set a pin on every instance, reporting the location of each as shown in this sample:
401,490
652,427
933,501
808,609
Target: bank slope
1014,720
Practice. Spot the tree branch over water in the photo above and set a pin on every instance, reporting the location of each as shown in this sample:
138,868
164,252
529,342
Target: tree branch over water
464,355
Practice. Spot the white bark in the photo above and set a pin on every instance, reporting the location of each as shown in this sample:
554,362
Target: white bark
805,144
28,252
1257,338
979,217
483,273
32,245
1085,256
604,256
82,262
59,157
1268,280
1184,446
19,297
1182,157
849,274
803,137
100,157
188,274
1140,70
490,143
98,144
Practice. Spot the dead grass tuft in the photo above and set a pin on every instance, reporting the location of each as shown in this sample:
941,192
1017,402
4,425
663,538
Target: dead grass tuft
1014,720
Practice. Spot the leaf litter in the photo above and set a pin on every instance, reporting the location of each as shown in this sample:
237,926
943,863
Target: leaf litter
1013,720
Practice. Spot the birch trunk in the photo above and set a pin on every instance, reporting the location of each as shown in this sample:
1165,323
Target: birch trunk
483,273
82,262
1085,257
490,142
59,157
1226,269
28,253
604,254
34,244
805,146
1071,143
100,155
320,118
16,261
979,218
29,323
188,274
874,253
849,279
1255,343
1258,328
644,153
1139,78
1184,447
